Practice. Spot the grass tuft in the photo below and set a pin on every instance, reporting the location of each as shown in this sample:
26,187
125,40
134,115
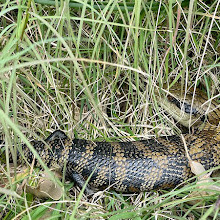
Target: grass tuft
93,69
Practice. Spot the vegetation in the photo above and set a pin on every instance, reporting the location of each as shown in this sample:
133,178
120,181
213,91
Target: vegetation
91,69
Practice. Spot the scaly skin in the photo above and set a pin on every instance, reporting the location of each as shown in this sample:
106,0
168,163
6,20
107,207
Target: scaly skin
128,166
141,165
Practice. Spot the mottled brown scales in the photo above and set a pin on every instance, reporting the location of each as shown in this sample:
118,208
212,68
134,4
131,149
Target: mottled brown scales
136,166
101,178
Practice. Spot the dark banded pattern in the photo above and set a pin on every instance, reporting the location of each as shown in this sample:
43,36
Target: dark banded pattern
128,166
141,165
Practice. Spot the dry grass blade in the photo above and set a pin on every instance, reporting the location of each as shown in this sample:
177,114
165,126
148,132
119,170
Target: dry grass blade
110,60
205,185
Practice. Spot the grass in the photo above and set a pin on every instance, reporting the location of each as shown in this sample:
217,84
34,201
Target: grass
92,69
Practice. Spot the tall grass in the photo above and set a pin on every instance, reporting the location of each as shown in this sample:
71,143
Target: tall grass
91,69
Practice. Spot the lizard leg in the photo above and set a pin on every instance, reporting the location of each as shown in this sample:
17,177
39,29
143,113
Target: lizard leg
80,181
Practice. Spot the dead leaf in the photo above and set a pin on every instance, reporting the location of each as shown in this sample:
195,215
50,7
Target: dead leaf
205,184
196,167
39,185
46,188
